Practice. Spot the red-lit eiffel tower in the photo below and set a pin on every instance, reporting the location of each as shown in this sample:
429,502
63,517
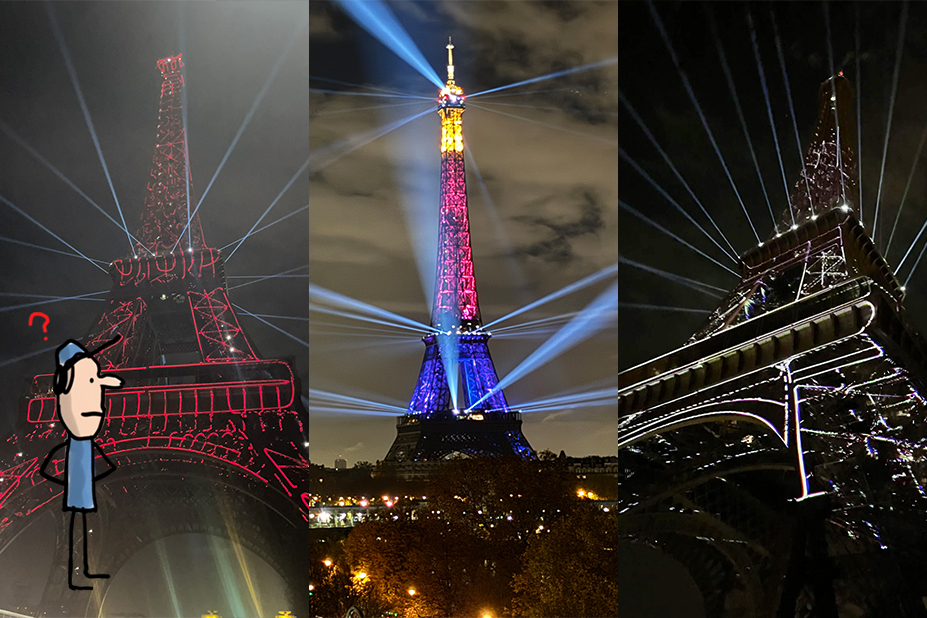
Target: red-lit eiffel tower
207,436
457,408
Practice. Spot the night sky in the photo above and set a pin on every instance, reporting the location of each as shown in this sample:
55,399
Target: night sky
546,217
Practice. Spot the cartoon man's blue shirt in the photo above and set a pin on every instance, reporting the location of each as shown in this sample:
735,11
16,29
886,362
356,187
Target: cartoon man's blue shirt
79,482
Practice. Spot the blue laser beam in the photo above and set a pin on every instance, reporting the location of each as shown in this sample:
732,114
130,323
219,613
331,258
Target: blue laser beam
556,319
52,296
377,88
273,326
331,409
623,305
333,326
600,313
833,94
530,92
538,107
262,277
570,406
891,109
917,157
788,92
11,361
698,108
916,262
691,283
346,302
528,333
59,36
362,318
653,223
605,140
254,106
266,277
261,229
740,113
668,198
772,124
605,273
29,244
332,152
66,243
328,155
653,141
376,18
286,188
606,393
554,75
859,117
369,107
186,134
354,401
378,95
54,170
51,301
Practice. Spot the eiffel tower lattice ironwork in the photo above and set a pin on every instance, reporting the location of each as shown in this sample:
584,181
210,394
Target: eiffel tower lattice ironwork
207,436
780,453
457,408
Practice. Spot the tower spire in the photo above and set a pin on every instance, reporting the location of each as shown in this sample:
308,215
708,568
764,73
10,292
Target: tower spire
164,216
450,62
830,174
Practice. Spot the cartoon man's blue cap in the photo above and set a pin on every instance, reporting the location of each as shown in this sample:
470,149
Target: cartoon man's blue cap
69,351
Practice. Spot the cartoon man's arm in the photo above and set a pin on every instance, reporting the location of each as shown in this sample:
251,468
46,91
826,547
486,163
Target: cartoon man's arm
111,465
48,458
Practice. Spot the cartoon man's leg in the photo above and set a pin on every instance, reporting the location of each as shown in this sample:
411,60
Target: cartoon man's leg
71,555
87,572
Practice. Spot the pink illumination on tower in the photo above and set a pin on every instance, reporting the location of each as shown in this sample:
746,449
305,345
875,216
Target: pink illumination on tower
164,217
455,304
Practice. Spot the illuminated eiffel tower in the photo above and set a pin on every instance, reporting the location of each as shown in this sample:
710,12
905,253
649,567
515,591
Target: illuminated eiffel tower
780,453
457,408
207,436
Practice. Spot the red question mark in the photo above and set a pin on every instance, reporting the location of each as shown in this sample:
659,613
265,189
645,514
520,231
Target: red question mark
44,326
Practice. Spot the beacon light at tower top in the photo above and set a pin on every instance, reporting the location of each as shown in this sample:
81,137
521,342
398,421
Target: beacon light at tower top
450,107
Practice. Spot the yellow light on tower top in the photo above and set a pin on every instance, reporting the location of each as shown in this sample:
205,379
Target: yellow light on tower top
450,108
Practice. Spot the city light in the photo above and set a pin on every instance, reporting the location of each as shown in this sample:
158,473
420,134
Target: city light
327,562
412,592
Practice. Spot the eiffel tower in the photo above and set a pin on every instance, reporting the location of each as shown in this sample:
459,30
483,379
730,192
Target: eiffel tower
779,454
207,436
457,409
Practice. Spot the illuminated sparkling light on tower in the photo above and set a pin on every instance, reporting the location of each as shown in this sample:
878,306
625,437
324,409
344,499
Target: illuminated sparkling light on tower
165,214
808,368
439,421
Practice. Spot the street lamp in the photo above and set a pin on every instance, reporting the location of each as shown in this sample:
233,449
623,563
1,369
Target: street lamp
412,592
327,562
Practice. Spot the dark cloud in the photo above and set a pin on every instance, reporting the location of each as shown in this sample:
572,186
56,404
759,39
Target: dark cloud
564,227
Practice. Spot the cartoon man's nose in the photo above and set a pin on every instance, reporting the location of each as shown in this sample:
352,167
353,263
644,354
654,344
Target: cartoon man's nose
111,381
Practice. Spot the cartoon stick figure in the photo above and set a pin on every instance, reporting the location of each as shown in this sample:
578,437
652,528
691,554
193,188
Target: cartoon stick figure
79,387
